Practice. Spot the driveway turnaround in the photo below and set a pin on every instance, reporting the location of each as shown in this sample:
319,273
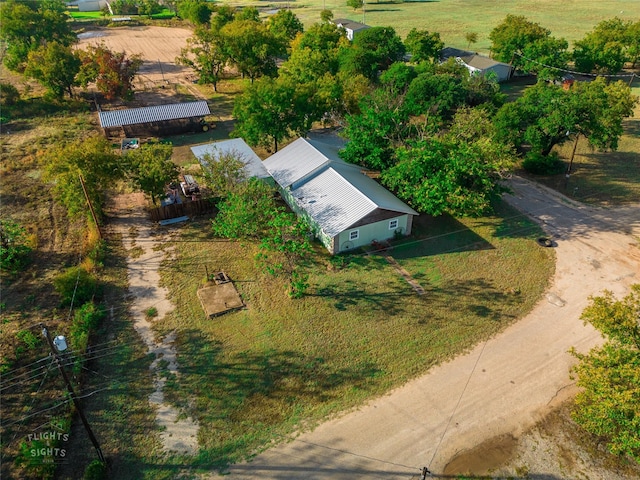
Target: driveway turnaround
503,386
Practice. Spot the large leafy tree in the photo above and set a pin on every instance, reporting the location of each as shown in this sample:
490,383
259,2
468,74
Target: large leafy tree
375,131
113,72
373,50
285,25
92,158
457,173
151,168
271,110
510,39
205,53
253,212
252,48
424,45
544,115
14,247
547,57
55,66
27,25
225,171
608,46
197,12
609,404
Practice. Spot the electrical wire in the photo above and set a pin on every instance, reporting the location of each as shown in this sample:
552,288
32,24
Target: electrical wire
573,72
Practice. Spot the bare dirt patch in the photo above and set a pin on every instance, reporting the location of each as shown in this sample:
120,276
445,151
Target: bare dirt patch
158,46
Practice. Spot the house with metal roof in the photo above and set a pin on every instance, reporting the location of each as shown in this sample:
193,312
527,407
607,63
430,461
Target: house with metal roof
351,27
478,64
239,149
345,208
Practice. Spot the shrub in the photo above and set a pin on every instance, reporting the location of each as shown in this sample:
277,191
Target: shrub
29,339
539,164
13,246
96,470
9,95
85,321
75,285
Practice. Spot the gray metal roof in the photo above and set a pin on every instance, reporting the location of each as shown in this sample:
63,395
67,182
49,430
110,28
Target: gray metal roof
334,193
159,113
253,163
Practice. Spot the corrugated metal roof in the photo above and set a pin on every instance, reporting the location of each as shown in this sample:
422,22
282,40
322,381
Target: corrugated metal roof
334,193
159,113
253,163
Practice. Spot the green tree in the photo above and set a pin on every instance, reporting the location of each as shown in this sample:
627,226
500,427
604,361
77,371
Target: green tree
251,48
547,57
355,4
326,15
374,132
14,248
225,171
510,38
92,158
149,7
222,15
373,50
25,26
423,45
609,403
251,14
435,95
205,53
607,47
197,12
545,113
271,110
55,66
438,176
252,212
151,169
285,25
471,38
112,72
398,78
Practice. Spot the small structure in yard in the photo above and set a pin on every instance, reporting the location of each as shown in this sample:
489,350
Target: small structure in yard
159,119
219,295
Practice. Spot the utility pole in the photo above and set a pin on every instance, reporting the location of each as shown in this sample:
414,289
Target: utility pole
72,393
93,212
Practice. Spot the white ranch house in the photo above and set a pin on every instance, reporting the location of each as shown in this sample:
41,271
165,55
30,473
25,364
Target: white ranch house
345,208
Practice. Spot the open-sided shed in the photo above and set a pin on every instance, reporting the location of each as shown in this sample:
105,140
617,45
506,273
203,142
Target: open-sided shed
159,119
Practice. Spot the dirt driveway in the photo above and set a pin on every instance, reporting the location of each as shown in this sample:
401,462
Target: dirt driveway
500,388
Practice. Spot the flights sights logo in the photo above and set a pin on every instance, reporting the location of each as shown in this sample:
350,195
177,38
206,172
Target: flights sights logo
45,447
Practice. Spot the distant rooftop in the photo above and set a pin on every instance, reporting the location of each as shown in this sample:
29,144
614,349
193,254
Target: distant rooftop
159,113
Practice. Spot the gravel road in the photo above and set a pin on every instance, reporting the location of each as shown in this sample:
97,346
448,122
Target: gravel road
500,388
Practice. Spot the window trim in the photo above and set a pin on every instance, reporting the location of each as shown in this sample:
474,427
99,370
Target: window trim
354,235
397,224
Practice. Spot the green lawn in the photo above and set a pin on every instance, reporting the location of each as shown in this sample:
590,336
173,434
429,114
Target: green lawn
258,374
570,19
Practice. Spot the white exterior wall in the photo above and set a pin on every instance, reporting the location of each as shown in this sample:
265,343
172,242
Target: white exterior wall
378,231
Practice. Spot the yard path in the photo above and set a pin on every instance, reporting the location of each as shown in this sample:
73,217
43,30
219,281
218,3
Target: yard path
141,239
503,386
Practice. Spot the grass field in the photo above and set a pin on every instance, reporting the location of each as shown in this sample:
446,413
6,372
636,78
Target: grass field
570,19
263,372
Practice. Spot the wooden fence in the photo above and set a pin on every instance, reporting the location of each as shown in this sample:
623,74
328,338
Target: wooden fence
190,208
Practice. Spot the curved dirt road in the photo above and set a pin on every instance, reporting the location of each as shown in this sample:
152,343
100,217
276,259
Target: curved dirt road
503,386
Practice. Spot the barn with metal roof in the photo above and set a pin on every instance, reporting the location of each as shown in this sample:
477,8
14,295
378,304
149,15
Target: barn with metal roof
157,119
345,208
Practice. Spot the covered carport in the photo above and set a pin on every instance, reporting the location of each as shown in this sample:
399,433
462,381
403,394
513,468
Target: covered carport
157,120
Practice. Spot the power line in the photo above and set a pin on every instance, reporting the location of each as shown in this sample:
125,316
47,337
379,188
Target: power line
574,72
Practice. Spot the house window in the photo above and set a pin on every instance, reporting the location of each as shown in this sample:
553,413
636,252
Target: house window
353,235
393,224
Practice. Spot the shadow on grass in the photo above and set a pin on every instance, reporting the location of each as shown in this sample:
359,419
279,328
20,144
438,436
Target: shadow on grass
436,236
242,399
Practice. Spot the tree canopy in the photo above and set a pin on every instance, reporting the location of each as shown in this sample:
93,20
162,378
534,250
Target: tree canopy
423,45
546,113
151,168
606,49
55,66
609,404
112,72
27,25
373,50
